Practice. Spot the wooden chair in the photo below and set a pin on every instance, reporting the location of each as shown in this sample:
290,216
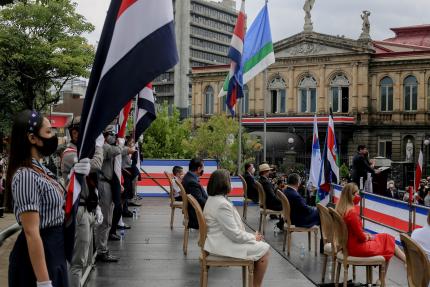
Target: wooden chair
186,217
263,210
207,260
327,236
173,203
289,228
246,200
343,259
417,262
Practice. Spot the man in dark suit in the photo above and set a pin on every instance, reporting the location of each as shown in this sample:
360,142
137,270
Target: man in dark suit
191,183
361,165
302,215
250,182
272,202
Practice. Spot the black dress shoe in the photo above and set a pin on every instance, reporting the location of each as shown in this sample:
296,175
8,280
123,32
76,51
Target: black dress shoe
106,257
273,216
125,226
114,237
127,213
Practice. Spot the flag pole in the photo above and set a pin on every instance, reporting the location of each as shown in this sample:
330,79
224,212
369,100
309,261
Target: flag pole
239,155
265,116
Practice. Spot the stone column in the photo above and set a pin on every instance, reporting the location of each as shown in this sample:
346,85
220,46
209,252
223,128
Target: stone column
322,97
421,107
291,92
355,102
374,97
397,97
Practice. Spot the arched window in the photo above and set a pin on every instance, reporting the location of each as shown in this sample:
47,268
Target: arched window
245,100
411,93
308,95
386,94
209,101
340,94
278,95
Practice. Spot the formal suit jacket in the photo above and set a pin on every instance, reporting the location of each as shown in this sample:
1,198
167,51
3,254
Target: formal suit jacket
302,215
226,233
272,202
360,168
251,188
192,186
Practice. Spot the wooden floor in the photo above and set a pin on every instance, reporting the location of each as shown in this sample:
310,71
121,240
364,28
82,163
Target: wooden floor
151,256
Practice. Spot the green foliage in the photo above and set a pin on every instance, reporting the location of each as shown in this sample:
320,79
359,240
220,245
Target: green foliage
41,45
344,171
169,138
165,136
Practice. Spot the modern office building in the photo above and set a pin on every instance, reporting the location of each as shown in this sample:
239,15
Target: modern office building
203,34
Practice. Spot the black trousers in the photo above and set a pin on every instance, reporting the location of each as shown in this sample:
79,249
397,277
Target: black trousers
116,198
21,272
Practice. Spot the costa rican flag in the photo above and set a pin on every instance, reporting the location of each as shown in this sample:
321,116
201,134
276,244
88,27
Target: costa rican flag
145,111
419,170
235,78
137,45
329,171
123,118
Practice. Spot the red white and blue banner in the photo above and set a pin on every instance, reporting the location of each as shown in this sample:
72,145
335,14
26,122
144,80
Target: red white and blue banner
149,186
314,173
392,213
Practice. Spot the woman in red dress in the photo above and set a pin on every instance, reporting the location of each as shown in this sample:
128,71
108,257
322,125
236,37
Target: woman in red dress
361,244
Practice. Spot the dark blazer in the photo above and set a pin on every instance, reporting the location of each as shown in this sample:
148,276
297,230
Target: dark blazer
302,215
360,168
192,186
251,188
272,202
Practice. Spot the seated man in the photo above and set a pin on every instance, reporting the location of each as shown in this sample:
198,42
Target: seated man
192,186
422,235
272,202
302,215
178,174
250,182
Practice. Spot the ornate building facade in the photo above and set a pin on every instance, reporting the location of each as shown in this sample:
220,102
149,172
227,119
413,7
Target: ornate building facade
379,91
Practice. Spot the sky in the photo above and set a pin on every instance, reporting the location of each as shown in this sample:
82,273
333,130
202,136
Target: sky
334,17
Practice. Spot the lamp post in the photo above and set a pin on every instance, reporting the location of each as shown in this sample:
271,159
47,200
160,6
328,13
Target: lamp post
425,159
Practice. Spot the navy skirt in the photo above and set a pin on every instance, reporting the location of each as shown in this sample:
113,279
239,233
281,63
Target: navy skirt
21,272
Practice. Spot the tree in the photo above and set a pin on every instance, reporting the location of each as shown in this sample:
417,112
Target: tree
218,139
166,136
41,46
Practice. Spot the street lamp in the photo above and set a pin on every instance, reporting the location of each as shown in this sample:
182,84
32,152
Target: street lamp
425,159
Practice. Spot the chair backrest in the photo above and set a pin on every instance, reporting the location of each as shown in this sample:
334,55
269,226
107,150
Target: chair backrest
418,266
286,209
172,190
203,230
184,200
245,187
261,195
340,232
326,223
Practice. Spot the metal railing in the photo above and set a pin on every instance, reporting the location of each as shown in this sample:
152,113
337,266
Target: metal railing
8,232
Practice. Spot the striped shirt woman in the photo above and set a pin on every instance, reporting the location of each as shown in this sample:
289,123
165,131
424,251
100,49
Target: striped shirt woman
38,257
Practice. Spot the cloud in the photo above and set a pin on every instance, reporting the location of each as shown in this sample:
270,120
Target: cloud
334,17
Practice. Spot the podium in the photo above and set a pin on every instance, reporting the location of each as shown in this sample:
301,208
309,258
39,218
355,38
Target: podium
379,181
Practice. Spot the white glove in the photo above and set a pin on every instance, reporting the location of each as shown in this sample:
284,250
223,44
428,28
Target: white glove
121,142
83,166
100,141
99,215
44,284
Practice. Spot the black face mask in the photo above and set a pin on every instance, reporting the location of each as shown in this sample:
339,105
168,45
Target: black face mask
201,172
49,145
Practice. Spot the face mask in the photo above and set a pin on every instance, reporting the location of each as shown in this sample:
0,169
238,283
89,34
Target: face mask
201,172
356,199
252,170
49,145
111,139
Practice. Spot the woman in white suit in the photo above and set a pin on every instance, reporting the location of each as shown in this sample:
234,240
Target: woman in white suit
226,233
